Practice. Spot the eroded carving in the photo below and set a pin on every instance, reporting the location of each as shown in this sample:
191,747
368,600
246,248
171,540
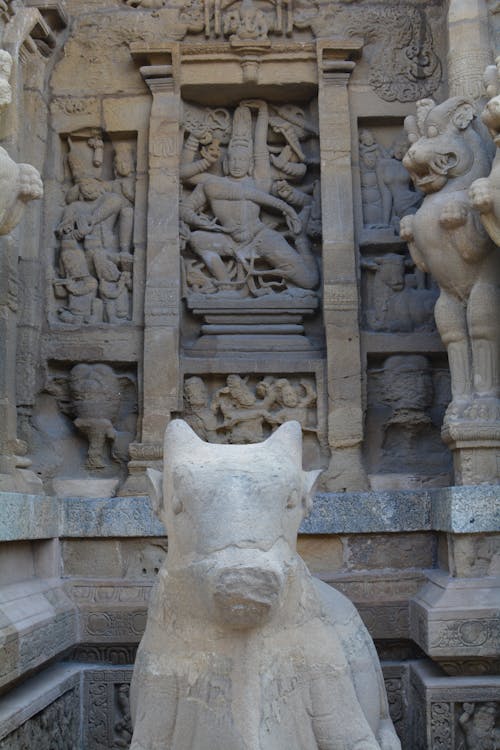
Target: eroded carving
247,231
220,588
387,192
446,238
240,412
478,722
95,396
398,297
57,727
95,232
403,421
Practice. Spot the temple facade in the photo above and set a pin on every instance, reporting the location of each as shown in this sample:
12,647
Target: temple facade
241,213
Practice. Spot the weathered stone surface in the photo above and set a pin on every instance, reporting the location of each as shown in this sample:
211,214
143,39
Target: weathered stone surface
243,599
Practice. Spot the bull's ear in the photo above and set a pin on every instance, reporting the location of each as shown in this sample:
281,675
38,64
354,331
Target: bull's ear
464,114
155,481
308,483
179,439
287,440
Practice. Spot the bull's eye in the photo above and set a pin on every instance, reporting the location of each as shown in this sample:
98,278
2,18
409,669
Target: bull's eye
432,131
293,499
177,505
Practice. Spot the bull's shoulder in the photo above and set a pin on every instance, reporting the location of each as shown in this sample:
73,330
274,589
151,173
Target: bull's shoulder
337,607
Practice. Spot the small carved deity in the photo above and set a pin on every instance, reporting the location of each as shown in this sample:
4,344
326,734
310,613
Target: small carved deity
246,23
478,723
386,189
369,152
239,413
95,398
197,411
123,726
397,300
95,232
244,227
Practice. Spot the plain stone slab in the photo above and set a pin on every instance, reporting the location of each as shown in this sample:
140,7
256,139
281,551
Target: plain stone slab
363,512
106,517
459,510
466,510
28,517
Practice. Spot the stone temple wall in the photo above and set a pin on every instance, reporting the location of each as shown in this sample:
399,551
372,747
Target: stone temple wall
227,233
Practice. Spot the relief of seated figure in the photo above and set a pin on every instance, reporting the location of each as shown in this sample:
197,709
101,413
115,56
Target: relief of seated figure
234,216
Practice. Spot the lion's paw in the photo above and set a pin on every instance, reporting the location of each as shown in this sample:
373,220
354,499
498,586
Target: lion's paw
481,196
406,228
454,215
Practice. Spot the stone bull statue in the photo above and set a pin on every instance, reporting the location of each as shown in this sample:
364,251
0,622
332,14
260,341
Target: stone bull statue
243,650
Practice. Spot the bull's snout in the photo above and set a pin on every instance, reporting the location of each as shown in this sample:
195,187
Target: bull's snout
245,597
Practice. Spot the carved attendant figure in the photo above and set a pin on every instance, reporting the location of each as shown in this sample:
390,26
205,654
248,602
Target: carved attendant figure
446,238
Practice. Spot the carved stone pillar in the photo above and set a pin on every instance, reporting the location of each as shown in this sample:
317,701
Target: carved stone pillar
340,287
469,47
162,293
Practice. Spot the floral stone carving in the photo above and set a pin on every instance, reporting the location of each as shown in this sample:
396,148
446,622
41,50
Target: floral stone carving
242,647
447,239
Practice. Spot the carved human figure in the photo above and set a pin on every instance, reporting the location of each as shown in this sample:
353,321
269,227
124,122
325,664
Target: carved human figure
292,402
398,197
123,726
236,200
392,304
485,192
124,185
95,397
478,722
90,218
199,415
243,648
371,197
76,285
446,238
243,412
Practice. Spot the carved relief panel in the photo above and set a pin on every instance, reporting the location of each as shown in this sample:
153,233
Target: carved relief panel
83,423
247,409
93,273
251,218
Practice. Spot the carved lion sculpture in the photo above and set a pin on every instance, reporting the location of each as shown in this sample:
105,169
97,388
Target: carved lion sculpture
243,650
19,183
446,238
485,192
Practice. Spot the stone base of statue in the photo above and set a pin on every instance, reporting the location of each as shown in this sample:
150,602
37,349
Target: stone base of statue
273,321
476,450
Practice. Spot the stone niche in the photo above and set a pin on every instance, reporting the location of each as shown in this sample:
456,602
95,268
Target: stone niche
83,423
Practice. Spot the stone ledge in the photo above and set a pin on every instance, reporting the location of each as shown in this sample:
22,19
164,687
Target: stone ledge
38,621
36,694
458,510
